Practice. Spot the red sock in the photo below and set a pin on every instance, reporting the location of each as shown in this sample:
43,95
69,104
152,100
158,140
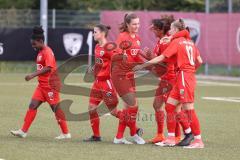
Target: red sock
159,116
29,117
94,119
171,117
121,129
60,117
194,122
121,125
182,118
177,130
130,117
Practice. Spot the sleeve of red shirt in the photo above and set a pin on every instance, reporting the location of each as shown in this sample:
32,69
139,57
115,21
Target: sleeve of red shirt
163,47
49,58
171,50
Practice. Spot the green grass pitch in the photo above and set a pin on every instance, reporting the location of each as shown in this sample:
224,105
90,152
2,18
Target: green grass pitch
219,122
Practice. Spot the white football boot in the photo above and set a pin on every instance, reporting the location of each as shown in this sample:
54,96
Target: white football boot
19,133
121,141
137,139
63,136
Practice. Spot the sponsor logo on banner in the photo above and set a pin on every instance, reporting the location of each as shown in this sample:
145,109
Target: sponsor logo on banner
194,27
1,48
72,43
238,40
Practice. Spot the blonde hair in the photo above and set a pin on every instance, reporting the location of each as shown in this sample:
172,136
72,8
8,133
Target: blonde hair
179,24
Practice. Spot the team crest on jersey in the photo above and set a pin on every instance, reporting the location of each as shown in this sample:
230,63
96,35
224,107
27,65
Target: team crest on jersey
39,67
138,43
101,53
165,90
39,58
181,91
50,95
109,94
72,43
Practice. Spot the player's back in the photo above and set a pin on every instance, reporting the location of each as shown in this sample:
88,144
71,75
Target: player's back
186,55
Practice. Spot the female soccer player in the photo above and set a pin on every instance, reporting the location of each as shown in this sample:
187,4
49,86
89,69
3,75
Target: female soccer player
102,89
123,77
160,28
188,60
46,66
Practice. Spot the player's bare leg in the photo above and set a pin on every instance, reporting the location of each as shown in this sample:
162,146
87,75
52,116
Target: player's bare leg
29,117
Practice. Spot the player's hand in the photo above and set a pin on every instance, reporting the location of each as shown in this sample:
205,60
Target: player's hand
28,77
147,51
166,39
125,57
137,68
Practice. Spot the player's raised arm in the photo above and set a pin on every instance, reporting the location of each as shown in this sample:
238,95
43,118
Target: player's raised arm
149,63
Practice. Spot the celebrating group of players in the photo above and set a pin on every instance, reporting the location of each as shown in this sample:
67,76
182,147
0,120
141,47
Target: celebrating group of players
174,60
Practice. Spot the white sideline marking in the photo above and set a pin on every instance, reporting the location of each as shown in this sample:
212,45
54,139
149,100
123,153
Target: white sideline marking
210,83
226,99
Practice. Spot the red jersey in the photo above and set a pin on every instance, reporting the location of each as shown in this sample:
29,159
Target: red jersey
102,67
186,53
170,62
45,58
133,56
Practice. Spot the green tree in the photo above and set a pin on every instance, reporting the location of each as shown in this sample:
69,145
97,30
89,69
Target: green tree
18,4
94,5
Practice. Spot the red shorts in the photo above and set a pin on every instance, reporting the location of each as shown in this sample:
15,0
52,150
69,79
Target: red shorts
123,84
46,94
164,85
103,91
183,91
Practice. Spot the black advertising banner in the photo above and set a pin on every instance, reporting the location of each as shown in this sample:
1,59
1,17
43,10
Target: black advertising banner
65,43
